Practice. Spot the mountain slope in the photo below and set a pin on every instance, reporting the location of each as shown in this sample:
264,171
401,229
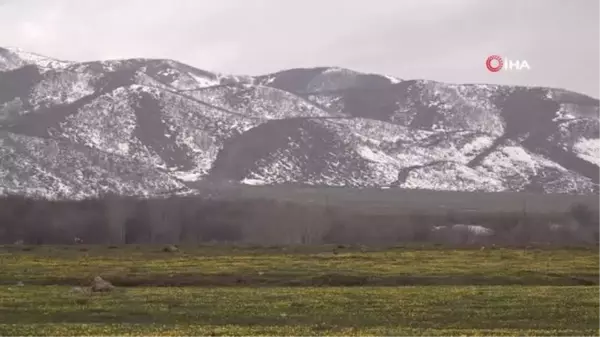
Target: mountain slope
164,126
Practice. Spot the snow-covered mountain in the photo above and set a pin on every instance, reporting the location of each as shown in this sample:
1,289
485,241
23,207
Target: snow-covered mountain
149,126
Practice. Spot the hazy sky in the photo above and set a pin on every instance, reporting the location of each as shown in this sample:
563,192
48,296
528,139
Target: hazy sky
445,40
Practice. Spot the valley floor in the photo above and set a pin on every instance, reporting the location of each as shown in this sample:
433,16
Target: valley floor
325,290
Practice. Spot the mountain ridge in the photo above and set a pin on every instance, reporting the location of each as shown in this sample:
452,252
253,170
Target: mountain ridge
330,126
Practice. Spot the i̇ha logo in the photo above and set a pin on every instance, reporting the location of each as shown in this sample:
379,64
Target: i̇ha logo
495,63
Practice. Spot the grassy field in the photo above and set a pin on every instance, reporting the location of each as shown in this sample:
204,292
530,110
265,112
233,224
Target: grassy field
325,290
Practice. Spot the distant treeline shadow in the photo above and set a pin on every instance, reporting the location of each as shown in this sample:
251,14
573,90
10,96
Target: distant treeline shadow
188,220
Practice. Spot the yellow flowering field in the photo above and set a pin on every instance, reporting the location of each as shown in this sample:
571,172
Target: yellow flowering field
299,291
137,330
429,310
290,266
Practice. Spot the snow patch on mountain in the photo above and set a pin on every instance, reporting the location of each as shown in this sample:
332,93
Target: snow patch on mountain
565,113
409,146
182,78
260,102
464,107
108,124
438,147
254,182
517,167
144,79
111,123
330,101
393,80
512,164
451,177
70,172
61,88
384,168
588,149
13,58
10,61
200,129
278,168
13,107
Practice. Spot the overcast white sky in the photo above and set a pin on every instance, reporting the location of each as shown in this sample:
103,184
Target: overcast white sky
445,40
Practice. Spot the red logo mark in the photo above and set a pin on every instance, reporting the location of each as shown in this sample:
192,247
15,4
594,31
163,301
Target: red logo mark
489,63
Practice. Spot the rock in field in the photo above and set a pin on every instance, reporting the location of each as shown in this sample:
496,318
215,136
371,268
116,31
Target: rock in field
100,285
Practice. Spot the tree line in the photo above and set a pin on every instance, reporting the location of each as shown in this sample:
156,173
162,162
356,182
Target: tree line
116,220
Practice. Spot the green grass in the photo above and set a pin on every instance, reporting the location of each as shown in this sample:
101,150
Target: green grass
131,330
305,310
219,290
301,266
436,310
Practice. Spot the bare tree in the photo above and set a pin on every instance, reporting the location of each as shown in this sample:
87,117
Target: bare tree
116,214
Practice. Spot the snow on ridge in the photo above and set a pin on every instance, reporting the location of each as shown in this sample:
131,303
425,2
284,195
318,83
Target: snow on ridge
333,70
393,80
45,63
188,79
204,82
9,61
259,102
386,147
253,182
588,149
